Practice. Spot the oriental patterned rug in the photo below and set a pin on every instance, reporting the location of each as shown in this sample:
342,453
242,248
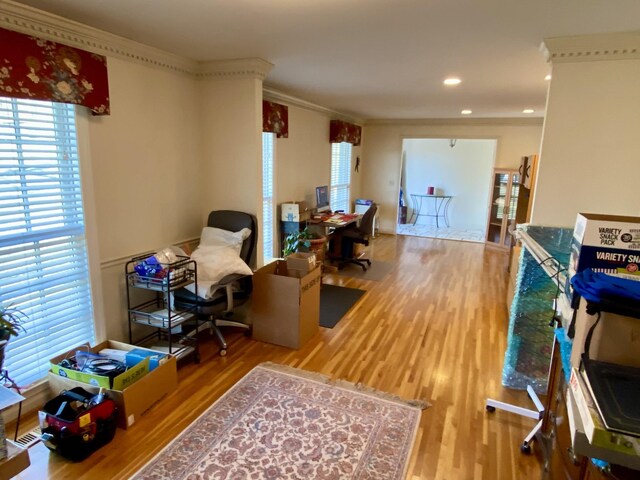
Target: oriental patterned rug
285,423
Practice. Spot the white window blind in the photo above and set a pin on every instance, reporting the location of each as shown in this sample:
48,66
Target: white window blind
43,257
267,196
340,176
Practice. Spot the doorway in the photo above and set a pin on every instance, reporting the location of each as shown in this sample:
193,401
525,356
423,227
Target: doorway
444,187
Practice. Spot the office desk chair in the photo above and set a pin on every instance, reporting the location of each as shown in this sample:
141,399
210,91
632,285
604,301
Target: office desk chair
234,289
359,234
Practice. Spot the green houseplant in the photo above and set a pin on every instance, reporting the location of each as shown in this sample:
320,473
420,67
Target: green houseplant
296,241
11,324
305,241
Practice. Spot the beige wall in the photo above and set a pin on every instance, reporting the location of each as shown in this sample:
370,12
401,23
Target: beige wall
145,166
382,152
146,159
589,158
302,161
231,125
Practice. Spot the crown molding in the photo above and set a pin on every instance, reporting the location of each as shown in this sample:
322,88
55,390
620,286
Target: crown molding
242,67
466,122
31,21
590,48
270,93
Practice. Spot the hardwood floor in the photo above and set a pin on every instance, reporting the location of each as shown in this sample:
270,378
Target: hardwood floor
435,329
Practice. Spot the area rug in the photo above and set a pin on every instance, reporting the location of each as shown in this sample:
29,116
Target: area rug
444,233
285,423
335,302
377,271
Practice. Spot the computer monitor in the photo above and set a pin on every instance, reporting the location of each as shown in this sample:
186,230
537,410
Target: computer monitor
322,199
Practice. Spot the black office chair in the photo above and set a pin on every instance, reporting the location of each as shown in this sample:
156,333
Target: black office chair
235,288
360,234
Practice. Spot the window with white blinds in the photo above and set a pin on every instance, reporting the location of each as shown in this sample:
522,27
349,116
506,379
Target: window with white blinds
340,176
43,255
267,196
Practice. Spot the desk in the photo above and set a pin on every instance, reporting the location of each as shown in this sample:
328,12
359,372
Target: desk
335,220
441,207
333,224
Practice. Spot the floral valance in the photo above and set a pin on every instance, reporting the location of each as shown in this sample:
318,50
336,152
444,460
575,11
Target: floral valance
31,67
340,131
275,119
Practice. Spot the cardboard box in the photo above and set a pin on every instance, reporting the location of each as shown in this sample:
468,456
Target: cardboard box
616,339
134,400
592,425
295,212
302,262
285,310
120,382
604,243
17,460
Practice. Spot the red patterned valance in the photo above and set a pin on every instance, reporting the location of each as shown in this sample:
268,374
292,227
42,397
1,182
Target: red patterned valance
275,119
340,131
31,67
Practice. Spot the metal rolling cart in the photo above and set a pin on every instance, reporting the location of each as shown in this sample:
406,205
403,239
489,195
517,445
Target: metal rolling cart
173,330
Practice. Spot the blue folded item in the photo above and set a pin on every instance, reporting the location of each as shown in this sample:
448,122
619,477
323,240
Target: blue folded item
597,286
136,355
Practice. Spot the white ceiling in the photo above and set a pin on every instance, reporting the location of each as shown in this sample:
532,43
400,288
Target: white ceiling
372,59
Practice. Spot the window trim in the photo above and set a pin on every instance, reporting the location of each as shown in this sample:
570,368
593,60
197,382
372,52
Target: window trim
347,185
96,267
274,223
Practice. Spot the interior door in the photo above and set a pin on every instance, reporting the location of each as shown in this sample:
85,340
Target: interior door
510,208
502,211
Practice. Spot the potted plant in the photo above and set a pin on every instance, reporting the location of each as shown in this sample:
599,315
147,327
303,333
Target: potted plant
305,241
11,321
295,241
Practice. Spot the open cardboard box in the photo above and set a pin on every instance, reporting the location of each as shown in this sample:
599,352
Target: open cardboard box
134,398
16,461
285,309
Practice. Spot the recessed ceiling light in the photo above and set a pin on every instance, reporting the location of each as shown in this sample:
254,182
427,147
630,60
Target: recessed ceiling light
466,112
548,77
452,81
528,110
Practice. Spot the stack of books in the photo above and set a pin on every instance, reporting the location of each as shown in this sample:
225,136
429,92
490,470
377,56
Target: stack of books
607,403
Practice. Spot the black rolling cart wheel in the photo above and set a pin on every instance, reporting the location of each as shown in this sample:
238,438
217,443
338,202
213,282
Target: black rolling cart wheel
490,408
525,448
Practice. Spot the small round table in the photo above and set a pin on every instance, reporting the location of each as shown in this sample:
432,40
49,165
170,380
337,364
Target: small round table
441,207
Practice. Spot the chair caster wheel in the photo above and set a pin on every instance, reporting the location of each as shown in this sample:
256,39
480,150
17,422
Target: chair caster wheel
525,448
223,352
491,408
196,358
247,333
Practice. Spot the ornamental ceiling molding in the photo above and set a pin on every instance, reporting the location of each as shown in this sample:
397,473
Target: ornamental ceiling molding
31,21
243,67
590,48
460,122
273,95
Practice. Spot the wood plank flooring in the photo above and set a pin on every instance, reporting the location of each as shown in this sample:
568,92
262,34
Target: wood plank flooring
435,329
